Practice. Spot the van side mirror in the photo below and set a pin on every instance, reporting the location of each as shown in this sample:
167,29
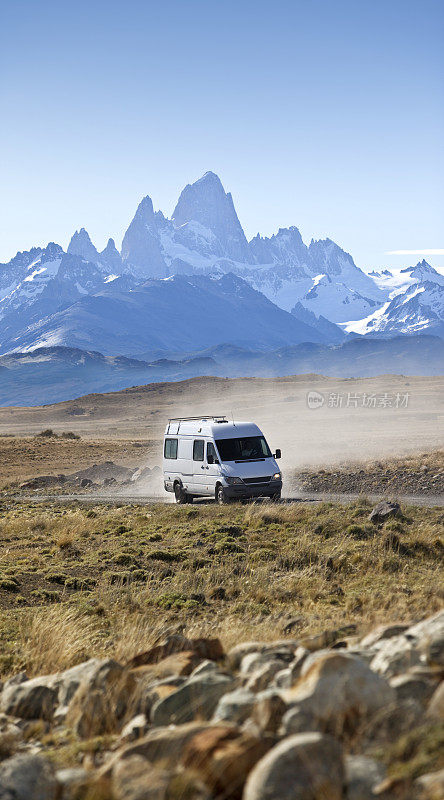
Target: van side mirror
277,453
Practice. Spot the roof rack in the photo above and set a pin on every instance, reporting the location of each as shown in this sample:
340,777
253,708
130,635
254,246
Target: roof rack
216,417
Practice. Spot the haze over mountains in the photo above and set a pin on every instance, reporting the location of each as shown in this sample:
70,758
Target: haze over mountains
193,282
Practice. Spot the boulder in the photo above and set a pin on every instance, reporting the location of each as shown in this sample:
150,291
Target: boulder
395,656
26,776
135,778
391,722
261,678
196,699
253,662
338,690
268,711
307,766
32,699
100,702
223,756
234,706
384,511
326,638
430,786
363,775
161,745
383,632
410,685
435,709
422,643
72,782
176,643
134,729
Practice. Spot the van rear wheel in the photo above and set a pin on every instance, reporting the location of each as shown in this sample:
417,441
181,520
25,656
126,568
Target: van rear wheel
180,494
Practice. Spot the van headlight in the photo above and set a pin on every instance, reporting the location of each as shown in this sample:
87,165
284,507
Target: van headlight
277,476
232,481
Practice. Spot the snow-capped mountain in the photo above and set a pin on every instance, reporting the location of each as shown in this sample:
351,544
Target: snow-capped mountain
47,280
204,235
420,309
49,297
178,314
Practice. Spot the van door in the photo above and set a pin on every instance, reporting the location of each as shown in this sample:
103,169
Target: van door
199,466
212,468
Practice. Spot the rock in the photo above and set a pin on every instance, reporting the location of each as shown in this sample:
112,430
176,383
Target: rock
223,757
204,666
252,662
286,677
196,699
395,656
160,745
239,651
262,677
147,694
135,778
408,685
326,638
391,722
180,664
384,511
32,699
234,706
300,720
101,700
268,711
430,786
420,643
134,729
68,682
72,782
383,632
308,766
338,690
435,709
175,643
363,775
26,777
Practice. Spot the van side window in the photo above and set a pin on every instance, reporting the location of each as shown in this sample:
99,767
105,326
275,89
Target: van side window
198,450
211,453
170,449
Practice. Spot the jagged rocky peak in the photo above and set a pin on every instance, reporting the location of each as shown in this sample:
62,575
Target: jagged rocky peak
141,250
284,246
110,255
207,203
422,270
81,245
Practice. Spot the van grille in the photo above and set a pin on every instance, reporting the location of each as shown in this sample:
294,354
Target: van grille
264,479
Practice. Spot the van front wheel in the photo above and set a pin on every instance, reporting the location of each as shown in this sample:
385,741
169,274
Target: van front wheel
221,497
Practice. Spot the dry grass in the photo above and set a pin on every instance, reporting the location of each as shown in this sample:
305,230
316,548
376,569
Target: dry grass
55,640
80,582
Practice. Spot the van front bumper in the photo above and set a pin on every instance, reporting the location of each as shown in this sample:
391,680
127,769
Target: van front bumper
241,491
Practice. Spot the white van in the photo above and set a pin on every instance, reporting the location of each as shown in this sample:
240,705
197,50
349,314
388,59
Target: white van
211,457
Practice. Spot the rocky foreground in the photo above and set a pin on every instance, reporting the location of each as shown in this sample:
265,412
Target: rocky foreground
283,720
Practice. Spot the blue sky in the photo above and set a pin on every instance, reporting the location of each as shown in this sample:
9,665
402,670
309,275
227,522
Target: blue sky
325,114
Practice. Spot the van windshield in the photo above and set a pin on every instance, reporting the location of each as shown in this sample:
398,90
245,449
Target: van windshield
246,449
